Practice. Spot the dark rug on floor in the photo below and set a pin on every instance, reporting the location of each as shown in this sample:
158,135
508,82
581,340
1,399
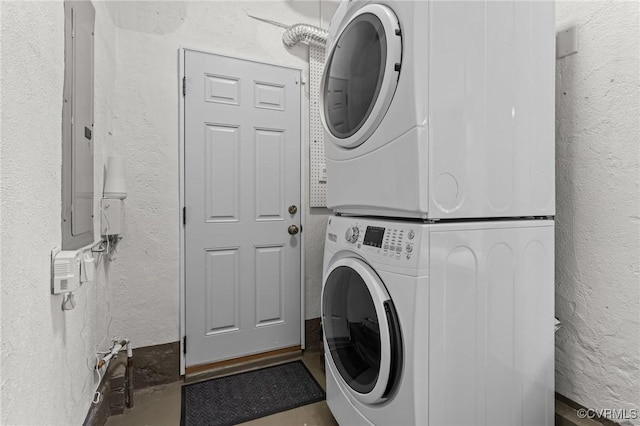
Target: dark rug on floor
246,396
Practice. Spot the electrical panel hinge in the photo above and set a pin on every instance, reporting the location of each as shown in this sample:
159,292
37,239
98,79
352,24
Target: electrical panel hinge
184,344
184,215
184,86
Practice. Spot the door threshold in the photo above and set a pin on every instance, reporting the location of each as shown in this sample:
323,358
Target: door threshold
228,367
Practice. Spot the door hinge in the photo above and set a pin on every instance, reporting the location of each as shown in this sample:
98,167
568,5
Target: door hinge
184,215
184,344
184,86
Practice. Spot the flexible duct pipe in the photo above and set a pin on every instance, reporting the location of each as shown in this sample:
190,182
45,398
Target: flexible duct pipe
304,33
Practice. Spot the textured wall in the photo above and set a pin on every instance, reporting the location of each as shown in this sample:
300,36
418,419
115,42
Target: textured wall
598,217
46,353
146,134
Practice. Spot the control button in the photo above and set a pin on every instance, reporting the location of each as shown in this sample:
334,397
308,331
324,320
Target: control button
408,256
409,248
386,246
352,234
411,234
399,249
393,248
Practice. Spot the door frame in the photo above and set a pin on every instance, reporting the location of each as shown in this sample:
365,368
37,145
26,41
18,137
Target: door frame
304,140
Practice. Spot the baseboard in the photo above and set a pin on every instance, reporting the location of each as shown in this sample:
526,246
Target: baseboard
313,335
567,410
156,365
112,394
152,366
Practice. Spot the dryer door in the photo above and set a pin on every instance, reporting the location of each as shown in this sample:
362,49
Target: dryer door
362,333
361,75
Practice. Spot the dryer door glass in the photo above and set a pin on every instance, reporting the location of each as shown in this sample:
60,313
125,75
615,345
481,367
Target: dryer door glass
354,75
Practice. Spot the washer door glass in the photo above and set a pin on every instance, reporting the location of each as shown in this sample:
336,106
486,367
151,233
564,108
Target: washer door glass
361,75
361,330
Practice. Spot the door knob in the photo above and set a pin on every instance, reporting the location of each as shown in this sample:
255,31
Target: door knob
293,230
293,209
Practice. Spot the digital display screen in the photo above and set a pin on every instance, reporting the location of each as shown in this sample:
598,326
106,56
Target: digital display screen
373,236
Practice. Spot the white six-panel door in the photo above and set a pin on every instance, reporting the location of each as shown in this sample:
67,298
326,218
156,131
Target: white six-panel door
241,174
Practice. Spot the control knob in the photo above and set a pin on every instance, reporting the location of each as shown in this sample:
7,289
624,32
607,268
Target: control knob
352,234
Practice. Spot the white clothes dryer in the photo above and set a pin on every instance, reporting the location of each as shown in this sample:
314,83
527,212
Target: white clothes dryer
439,324
440,109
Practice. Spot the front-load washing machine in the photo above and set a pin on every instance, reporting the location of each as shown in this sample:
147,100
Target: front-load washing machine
440,109
439,324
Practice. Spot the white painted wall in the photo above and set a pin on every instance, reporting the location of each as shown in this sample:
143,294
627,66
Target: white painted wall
47,354
146,134
598,199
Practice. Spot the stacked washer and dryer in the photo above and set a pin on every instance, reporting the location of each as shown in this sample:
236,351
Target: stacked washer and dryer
438,284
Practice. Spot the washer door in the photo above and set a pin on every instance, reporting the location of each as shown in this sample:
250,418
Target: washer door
361,75
362,333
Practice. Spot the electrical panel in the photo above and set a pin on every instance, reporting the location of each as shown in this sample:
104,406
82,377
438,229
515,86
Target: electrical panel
77,126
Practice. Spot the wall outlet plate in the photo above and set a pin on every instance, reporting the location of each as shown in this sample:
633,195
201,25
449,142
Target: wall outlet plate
566,40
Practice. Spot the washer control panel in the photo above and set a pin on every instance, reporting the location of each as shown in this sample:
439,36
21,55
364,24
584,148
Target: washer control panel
390,241
397,242
352,234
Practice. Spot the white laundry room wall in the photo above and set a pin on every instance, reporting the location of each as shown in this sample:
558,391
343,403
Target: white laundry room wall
146,134
47,354
598,199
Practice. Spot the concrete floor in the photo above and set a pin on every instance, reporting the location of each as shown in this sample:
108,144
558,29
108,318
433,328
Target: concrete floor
160,406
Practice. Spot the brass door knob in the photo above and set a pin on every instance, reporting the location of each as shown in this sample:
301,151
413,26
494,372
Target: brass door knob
293,209
293,230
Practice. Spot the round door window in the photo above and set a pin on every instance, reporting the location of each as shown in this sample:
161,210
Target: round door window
354,75
352,329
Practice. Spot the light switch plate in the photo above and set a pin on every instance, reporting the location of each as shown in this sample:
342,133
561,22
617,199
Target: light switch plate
323,173
567,40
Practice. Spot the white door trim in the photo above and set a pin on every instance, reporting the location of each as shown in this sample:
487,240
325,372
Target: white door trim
181,158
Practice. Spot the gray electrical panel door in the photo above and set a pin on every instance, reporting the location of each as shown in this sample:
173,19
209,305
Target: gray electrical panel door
77,131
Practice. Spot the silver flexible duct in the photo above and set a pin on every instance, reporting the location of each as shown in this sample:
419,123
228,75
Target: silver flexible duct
304,33
297,33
